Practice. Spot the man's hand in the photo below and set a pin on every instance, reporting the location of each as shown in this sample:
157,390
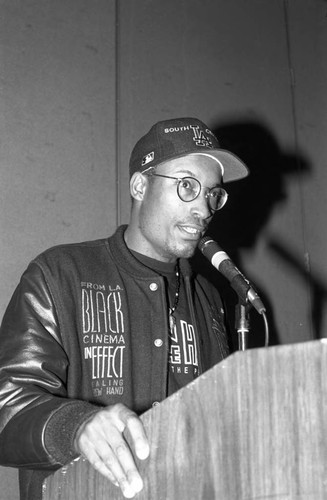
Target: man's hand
100,440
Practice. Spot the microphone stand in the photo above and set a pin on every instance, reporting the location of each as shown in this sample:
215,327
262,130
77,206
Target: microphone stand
242,324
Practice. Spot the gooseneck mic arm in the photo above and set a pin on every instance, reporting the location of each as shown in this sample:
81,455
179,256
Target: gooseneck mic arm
242,324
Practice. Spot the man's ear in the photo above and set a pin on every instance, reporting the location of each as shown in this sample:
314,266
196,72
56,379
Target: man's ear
138,185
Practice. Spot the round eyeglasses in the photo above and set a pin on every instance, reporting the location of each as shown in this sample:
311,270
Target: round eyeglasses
189,188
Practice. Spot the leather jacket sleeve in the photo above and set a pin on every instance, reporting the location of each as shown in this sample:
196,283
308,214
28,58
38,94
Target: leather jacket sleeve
37,419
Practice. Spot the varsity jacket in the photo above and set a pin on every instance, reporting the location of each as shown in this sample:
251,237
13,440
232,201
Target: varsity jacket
81,332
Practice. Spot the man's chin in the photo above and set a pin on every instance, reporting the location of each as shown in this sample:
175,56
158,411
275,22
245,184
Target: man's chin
186,251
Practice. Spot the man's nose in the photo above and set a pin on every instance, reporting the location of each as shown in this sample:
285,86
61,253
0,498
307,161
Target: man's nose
200,207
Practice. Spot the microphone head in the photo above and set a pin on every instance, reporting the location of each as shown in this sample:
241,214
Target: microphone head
204,242
209,247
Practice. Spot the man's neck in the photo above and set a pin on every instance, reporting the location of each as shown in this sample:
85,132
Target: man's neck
134,243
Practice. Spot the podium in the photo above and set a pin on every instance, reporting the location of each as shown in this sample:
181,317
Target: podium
253,427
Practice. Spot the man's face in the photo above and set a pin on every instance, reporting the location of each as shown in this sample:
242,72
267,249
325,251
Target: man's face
169,228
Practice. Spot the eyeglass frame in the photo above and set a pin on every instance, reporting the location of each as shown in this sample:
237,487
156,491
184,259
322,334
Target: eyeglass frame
207,195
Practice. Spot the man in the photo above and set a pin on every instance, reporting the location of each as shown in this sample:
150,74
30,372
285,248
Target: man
98,332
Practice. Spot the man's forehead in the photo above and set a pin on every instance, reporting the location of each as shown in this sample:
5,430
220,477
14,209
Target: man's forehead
195,164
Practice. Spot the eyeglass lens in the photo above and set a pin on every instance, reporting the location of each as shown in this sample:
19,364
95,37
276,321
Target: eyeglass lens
189,188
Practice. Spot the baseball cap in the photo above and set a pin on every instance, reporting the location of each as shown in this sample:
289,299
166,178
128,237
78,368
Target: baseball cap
169,139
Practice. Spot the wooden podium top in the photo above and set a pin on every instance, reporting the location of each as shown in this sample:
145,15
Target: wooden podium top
251,428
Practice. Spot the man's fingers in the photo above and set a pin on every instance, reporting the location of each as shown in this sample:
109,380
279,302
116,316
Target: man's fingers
109,453
117,465
96,461
135,427
127,468
101,442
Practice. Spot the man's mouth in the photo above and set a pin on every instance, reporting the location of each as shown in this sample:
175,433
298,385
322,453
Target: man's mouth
192,231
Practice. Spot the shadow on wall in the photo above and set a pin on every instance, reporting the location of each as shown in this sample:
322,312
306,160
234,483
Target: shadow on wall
250,204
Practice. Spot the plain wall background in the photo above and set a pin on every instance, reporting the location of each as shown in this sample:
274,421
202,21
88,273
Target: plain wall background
82,80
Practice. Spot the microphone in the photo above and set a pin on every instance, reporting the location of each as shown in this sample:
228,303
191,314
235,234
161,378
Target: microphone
220,260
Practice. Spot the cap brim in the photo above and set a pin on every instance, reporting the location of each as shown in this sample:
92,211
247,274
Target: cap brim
234,168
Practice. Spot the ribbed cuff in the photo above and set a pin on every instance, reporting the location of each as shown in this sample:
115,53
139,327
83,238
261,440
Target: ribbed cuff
61,429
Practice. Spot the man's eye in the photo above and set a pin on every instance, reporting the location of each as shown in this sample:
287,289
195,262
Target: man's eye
185,184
